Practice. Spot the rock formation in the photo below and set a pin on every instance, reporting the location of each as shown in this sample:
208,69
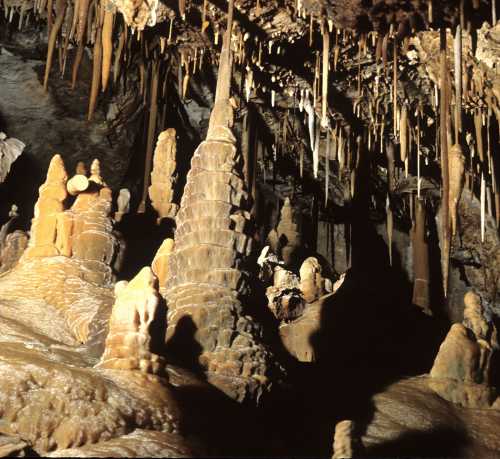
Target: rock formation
284,296
421,274
160,264
462,369
10,150
288,232
456,160
128,345
312,284
206,269
49,206
12,249
123,203
344,445
163,176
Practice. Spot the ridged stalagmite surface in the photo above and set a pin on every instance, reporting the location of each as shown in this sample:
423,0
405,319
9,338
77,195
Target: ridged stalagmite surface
163,178
49,205
128,343
160,264
288,233
206,270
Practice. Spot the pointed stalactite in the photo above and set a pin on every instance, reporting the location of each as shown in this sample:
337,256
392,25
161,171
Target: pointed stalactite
421,268
403,137
83,13
96,67
456,162
458,83
76,63
324,96
107,43
153,112
119,53
390,185
54,31
443,112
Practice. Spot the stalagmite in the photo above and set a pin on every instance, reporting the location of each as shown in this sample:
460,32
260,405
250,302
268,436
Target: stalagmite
123,203
49,205
344,443
160,264
311,281
462,369
288,233
206,276
128,345
77,184
456,161
163,176
421,269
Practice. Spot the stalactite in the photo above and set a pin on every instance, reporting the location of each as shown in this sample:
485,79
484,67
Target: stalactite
327,165
60,12
96,66
107,43
479,135
76,63
443,111
456,177
82,19
324,97
119,52
421,268
153,112
403,136
458,83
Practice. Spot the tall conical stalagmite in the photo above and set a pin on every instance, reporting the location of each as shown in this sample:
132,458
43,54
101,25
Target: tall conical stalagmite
163,176
288,233
206,269
49,205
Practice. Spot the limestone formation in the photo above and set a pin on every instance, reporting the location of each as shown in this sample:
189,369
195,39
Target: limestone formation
462,369
163,176
138,15
160,264
284,296
77,184
456,160
95,173
288,232
128,345
49,205
421,268
343,442
206,272
10,150
123,203
12,249
311,280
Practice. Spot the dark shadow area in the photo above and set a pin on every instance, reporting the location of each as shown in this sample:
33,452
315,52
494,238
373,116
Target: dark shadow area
445,442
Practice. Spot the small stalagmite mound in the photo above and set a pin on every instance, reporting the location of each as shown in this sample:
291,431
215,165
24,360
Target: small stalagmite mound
462,369
128,345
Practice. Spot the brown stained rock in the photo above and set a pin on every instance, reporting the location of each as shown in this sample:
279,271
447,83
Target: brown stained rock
462,368
160,263
139,443
288,233
12,249
284,296
163,177
409,410
127,346
311,281
49,205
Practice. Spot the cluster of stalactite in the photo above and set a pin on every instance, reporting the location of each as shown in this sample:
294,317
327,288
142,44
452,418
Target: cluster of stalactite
354,97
